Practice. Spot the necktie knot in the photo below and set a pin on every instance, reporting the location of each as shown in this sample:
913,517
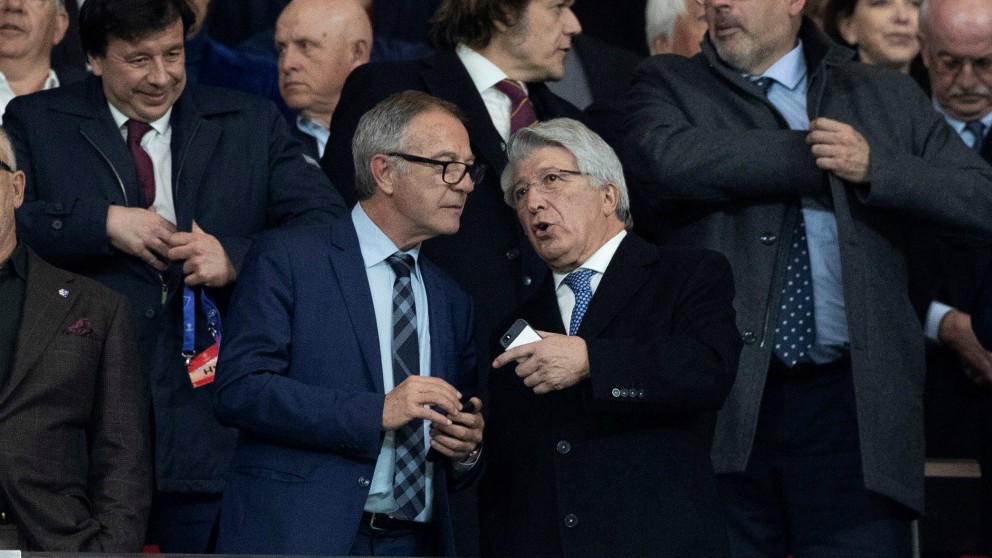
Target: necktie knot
977,129
579,282
136,130
763,83
402,263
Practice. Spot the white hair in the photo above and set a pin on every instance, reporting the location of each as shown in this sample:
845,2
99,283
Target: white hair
659,17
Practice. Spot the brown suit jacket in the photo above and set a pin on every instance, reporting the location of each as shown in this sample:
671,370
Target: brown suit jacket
75,465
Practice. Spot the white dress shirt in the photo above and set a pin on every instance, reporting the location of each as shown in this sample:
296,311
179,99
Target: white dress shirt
158,144
598,262
7,94
485,75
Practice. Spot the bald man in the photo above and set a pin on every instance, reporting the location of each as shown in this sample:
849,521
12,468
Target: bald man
319,42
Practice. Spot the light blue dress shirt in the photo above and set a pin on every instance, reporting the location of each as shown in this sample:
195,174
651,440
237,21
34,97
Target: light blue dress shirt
376,247
319,133
788,95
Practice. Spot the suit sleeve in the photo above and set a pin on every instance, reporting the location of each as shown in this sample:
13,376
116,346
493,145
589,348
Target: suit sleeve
120,477
685,366
256,392
299,193
674,159
65,230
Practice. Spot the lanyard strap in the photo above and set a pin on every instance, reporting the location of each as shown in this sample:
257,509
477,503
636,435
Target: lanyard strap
189,320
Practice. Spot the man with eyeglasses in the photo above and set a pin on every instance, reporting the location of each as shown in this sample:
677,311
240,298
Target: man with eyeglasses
349,364
598,434
807,170
75,461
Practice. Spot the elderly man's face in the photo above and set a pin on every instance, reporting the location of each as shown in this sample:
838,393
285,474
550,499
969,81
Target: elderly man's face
145,77
564,217
534,48
752,34
11,196
30,28
957,51
425,205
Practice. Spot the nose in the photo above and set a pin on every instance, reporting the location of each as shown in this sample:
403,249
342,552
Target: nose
466,184
287,60
158,74
903,11
966,78
571,25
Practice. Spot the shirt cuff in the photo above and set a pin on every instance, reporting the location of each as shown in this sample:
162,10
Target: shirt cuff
935,314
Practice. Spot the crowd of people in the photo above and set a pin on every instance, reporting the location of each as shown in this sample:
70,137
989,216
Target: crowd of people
451,278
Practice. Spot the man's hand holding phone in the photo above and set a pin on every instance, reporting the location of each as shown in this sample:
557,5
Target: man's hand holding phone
548,363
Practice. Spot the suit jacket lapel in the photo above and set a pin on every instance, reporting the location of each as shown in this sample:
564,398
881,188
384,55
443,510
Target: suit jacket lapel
622,280
542,310
349,269
448,79
101,132
438,312
45,311
193,141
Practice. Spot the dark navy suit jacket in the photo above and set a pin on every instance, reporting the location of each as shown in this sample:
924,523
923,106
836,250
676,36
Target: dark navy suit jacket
300,375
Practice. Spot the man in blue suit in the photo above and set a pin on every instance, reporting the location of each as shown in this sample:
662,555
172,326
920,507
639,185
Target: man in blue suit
154,186
349,359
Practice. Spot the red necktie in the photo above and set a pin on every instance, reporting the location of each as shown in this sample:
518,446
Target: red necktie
142,162
521,109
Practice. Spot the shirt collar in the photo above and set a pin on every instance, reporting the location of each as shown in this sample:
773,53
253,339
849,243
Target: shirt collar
374,243
18,261
161,125
483,72
790,70
600,259
958,125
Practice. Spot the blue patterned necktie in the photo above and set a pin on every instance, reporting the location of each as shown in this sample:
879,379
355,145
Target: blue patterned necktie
977,129
410,480
578,281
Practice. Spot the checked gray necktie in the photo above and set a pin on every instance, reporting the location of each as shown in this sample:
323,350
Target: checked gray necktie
410,480
578,281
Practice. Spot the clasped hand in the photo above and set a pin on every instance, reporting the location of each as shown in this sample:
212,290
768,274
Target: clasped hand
554,363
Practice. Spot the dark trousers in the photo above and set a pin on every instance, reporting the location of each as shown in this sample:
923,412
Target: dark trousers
420,541
803,492
184,523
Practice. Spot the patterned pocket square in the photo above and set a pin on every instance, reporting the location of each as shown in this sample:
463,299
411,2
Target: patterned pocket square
81,328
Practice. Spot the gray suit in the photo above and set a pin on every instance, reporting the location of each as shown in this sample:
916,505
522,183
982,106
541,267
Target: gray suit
711,154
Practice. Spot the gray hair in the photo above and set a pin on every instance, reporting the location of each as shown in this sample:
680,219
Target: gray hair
660,16
596,159
383,129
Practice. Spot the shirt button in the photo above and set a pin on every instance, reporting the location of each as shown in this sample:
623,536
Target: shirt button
57,224
512,254
768,238
527,280
571,520
563,447
364,482
748,337
150,313
615,392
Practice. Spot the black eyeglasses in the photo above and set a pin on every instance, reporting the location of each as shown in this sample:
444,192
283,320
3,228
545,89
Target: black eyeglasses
452,172
7,167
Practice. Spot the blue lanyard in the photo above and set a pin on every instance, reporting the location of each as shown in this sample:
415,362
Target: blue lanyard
189,321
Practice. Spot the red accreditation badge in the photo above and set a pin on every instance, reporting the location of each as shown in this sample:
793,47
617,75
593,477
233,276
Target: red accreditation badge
202,367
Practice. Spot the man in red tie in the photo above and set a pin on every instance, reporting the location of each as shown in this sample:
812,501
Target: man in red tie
156,187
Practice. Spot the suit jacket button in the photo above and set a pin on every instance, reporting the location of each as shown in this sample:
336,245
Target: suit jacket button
615,392
624,393
748,337
563,447
364,482
768,238
571,520
57,224
502,146
150,313
640,394
512,254
527,280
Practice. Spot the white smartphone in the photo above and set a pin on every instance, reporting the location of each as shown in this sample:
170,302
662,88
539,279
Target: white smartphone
520,333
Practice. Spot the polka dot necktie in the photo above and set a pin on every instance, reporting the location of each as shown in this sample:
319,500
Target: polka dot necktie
795,332
578,281
410,478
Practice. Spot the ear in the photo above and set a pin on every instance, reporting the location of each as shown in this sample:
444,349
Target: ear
18,184
845,25
61,24
611,197
796,7
360,52
383,172
96,64
661,44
